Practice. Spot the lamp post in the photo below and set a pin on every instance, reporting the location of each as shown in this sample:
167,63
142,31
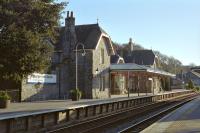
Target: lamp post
128,85
83,54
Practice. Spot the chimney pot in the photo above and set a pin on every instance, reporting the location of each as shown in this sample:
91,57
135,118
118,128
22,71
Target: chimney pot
72,14
67,14
130,40
130,45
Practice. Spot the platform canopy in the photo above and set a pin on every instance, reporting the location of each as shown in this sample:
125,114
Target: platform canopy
132,67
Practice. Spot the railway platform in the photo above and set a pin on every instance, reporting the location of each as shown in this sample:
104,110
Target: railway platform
45,115
24,108
185,119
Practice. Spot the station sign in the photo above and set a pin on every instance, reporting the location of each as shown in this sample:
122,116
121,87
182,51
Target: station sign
41,78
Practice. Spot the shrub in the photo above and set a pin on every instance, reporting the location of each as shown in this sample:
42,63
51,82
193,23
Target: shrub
197,88
4,95
187,87
190,84
76,94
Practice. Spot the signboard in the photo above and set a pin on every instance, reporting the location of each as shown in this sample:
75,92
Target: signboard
41,78
150,79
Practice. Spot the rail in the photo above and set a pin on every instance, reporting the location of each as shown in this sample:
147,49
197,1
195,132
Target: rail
139,126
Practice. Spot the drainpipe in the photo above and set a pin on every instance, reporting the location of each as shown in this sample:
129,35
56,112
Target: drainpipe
138,85
128,86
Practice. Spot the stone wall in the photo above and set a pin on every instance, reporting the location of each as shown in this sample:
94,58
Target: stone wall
87,65
84,74
67,68
103,70
33,92
157,85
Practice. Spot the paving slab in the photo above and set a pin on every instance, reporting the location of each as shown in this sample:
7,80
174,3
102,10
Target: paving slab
185,119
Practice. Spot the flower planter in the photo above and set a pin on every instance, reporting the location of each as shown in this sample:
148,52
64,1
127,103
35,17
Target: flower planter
4,103
75,94
75,98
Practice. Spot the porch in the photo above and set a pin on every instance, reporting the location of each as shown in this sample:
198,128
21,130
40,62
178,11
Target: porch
132,79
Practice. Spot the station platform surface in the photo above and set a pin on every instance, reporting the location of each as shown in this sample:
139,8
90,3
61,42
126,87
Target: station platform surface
25,108
185,119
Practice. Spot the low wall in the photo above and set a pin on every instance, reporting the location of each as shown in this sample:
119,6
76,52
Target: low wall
38,92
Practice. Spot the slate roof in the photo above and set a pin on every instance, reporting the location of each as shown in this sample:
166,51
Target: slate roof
196,69
196,74
86,34
141,57
132,67
115,58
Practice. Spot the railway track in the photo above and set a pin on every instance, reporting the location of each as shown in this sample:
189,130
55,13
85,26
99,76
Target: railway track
141,125
111,121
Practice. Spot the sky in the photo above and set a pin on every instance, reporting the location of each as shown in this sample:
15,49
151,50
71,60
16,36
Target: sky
169,26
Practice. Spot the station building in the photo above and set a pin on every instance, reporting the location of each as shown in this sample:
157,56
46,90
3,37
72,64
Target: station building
101,71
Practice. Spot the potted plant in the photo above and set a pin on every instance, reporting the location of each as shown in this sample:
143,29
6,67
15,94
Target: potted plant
4,99
76,94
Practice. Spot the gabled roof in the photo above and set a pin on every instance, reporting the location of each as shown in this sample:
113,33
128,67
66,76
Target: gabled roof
86,34
141,57
115,59
89,35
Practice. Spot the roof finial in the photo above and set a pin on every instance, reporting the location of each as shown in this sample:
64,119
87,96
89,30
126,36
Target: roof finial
97,20
130,40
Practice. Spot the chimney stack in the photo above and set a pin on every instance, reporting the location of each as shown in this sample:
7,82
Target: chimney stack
131,45
70,20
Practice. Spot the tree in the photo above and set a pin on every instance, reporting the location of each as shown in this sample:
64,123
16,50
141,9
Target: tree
122,49
169,64
23,26
190,84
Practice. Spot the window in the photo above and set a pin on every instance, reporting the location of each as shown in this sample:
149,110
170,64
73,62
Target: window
102,56
102,83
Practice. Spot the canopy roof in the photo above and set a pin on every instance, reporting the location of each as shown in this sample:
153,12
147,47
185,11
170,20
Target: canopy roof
132,67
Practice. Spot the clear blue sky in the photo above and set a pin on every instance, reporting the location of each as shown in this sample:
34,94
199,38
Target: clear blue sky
169,26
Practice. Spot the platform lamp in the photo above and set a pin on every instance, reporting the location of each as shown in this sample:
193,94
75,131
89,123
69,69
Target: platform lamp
97,70
83,54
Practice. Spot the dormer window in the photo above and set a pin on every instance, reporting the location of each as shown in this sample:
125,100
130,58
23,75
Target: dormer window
102,56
